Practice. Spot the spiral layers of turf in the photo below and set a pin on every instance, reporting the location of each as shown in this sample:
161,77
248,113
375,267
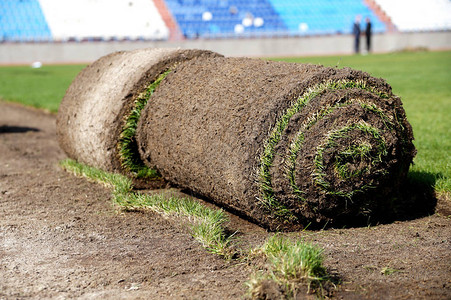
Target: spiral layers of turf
283,144
295,145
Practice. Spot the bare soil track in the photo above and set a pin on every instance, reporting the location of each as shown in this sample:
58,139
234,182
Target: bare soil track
61,237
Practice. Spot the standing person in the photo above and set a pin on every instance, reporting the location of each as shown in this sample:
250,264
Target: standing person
368,34
356,32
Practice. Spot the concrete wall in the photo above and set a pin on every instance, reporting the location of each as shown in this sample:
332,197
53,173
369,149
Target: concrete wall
25,53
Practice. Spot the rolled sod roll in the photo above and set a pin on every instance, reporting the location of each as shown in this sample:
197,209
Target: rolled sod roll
97,118
282,144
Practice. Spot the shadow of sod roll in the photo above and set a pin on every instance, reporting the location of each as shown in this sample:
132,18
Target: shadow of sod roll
284,145
97,119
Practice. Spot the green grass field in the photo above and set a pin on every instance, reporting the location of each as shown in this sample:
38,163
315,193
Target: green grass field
42,88
421,79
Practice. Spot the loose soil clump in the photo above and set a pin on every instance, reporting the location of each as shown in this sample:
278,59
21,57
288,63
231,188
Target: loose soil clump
282,144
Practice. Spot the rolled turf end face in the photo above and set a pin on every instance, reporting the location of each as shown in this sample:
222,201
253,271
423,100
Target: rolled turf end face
97,118
284,145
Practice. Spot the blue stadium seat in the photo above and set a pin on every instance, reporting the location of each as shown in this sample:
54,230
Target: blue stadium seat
23,21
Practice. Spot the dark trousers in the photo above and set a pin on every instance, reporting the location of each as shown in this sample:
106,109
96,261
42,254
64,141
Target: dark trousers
357,44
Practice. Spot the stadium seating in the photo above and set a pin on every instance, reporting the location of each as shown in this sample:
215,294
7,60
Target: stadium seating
323,16
103,19
225,18
78,20
410,15
207,18
22,21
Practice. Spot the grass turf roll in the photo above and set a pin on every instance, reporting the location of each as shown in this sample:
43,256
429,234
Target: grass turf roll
96,122
283,144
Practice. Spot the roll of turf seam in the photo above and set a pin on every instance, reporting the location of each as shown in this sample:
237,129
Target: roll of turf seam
96,122
284,145
127,147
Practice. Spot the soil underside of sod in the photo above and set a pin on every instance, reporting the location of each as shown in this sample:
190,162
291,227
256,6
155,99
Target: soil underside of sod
60,236
230,128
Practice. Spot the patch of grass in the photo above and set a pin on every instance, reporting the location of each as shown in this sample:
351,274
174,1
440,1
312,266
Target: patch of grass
128,148
290,263
388,271
206,225
121,184
42,88
295,261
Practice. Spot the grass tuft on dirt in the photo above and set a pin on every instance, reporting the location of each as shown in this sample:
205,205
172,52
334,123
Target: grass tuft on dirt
206,225
291,264
295,261
121,184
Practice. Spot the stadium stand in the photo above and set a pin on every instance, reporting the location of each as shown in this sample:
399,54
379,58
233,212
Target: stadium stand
408,15
174,29
207,18
225,18
79,20
104,20
23,21
323,16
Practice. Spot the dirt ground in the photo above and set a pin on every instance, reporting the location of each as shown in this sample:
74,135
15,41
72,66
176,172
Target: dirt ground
61,237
